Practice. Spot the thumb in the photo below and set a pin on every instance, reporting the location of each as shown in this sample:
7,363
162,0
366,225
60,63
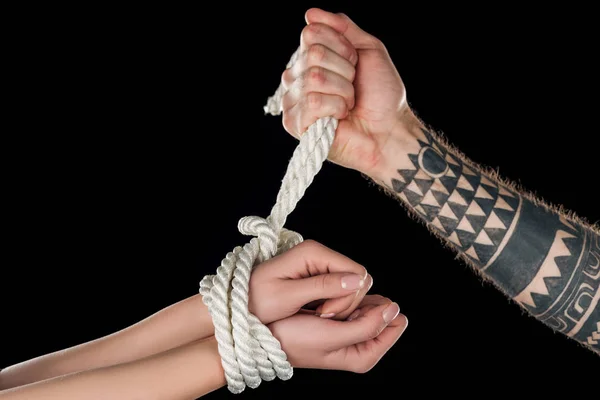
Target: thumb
344,25
324,286
367,327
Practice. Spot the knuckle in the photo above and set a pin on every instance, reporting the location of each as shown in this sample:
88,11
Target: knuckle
286,78
309,245
372,331
287,102
350,94
315,54
341,110
340,103
314,101
314,29
344,16
315,75
349,53
353,73
309,32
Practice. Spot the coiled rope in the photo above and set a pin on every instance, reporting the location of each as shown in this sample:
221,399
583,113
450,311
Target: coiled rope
249,352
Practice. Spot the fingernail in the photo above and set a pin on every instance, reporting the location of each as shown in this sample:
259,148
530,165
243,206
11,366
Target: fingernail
328,315
353,315
391,312
353,282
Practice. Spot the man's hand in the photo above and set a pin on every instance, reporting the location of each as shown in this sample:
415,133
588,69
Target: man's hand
308,274
355,345
347,73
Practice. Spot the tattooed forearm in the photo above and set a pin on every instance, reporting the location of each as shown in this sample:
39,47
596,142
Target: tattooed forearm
546,262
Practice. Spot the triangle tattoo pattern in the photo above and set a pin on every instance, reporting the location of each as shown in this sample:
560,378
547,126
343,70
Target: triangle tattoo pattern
470,209
548,269
564,291
557,280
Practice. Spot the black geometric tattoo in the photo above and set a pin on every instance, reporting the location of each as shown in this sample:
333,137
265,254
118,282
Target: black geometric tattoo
549,265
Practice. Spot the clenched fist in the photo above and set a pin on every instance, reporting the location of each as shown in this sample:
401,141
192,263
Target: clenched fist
346,73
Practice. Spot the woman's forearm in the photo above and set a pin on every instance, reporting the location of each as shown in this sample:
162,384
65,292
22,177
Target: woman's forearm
178,324
186,372
539,256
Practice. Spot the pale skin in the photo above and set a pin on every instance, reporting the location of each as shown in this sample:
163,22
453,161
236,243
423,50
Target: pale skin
174,355
543,258
347,73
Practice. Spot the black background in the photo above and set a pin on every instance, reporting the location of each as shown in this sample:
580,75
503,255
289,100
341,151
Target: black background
141,140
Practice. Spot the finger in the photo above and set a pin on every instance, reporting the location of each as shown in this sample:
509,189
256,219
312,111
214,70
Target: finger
340,308
311,258
359,312
374,300
338,285
344,25
364,356
337,306
369,302
321,80
306,111
329,38
342,334
318,55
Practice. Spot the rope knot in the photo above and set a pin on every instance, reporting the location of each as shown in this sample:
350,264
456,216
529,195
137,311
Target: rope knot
271,241
249,352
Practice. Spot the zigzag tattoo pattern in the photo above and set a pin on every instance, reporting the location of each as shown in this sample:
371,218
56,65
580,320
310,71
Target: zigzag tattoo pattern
544,262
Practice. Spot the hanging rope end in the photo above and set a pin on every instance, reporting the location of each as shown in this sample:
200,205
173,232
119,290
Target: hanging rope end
273,106
286,374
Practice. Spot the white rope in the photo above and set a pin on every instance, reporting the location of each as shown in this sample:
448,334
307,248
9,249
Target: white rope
249,352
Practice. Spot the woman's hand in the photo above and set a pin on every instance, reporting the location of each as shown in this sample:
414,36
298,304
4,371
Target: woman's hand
309,274
355,345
